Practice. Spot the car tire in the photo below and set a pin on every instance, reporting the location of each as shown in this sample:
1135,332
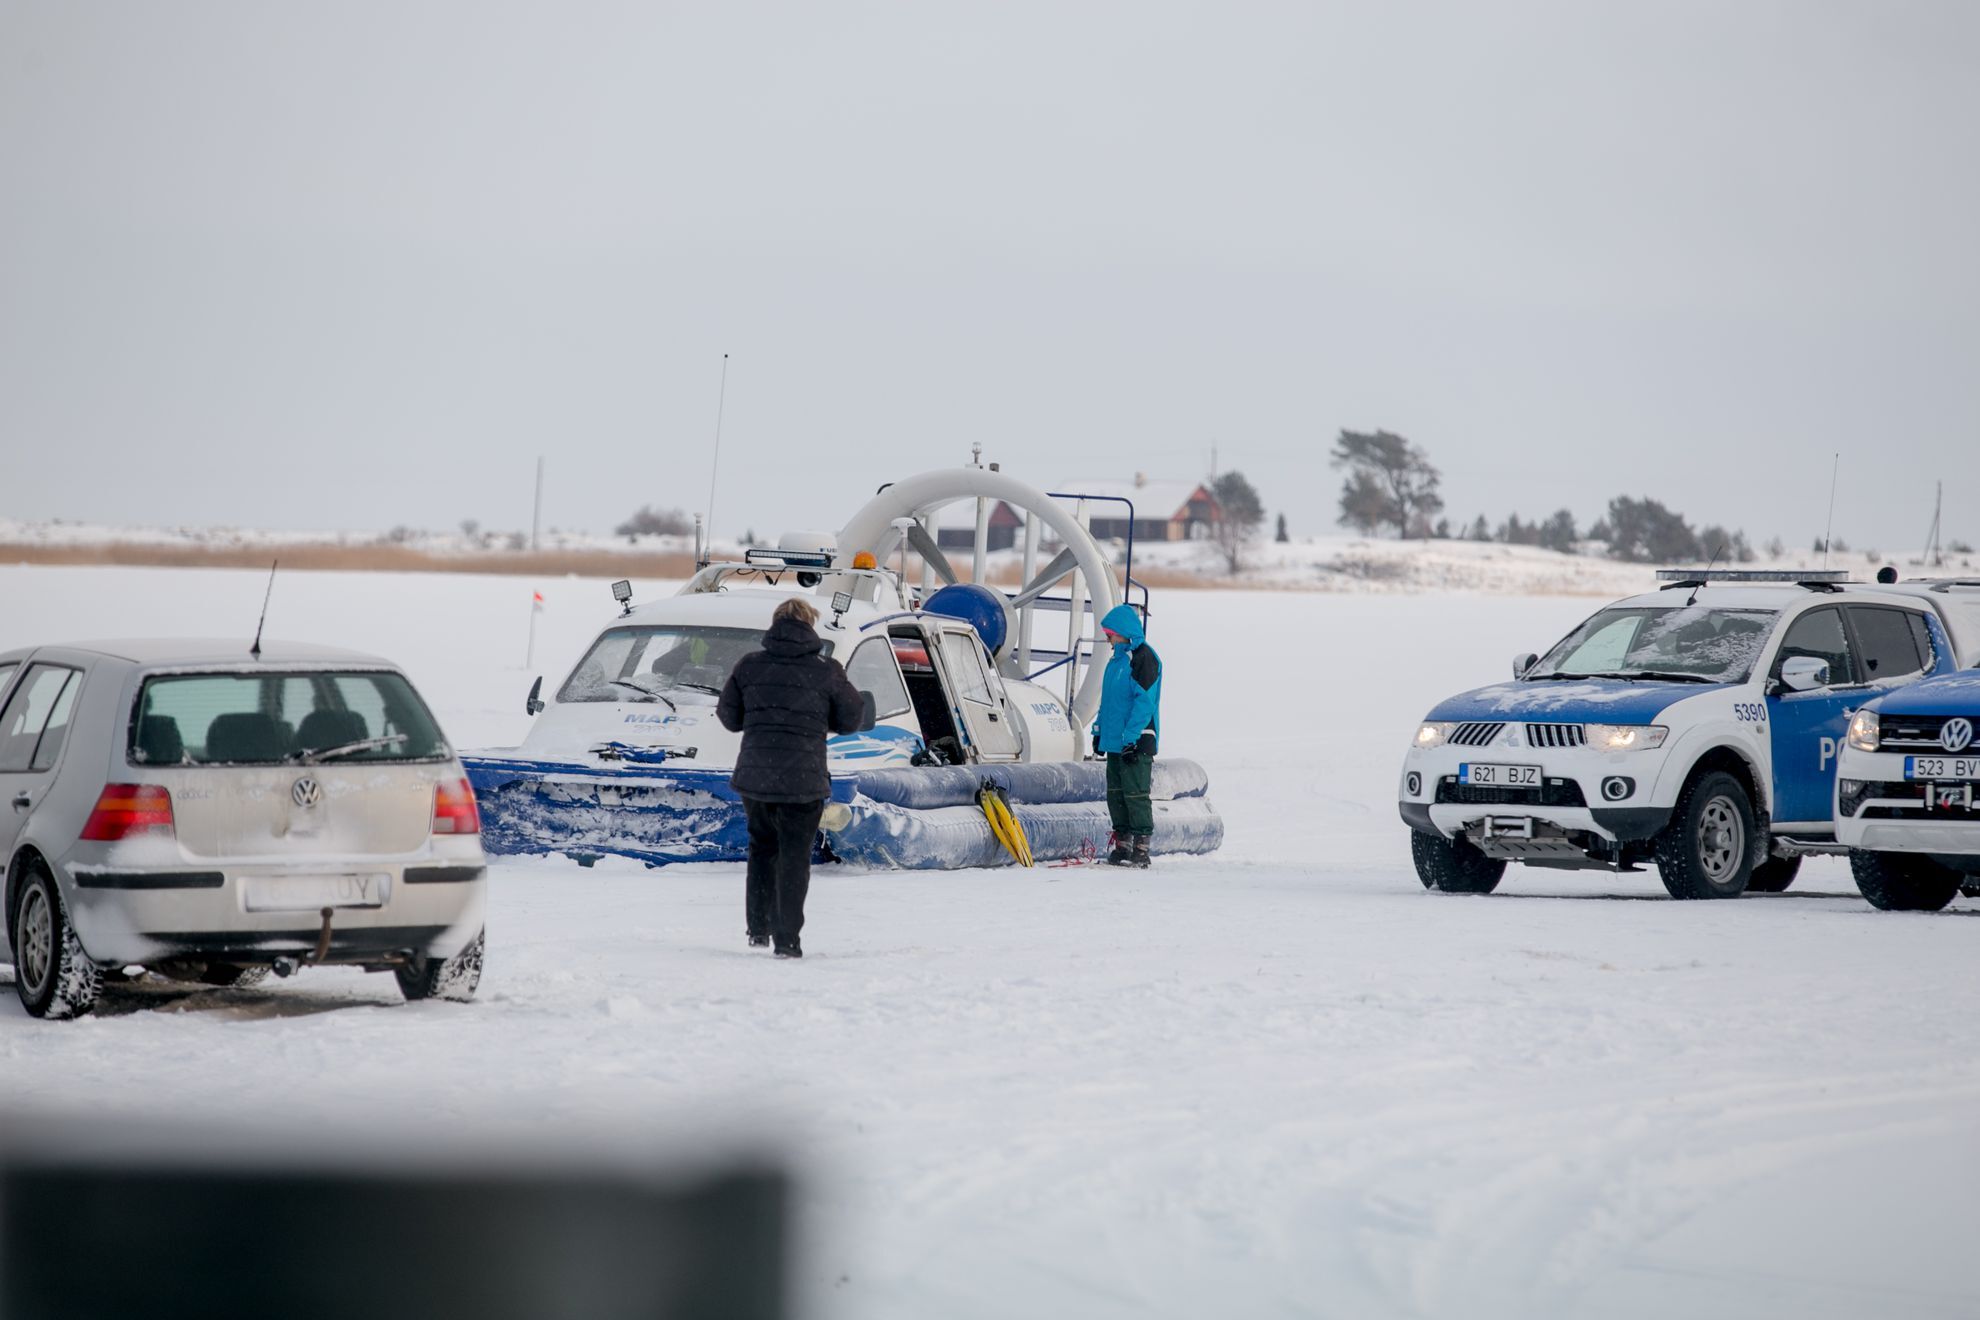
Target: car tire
1706,851
52,973
1773,876
1903,882
454,979
1453,866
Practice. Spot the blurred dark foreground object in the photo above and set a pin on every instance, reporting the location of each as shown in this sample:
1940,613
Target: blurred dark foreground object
166,1232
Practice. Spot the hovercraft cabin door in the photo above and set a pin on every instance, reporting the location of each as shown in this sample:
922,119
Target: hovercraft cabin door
978,694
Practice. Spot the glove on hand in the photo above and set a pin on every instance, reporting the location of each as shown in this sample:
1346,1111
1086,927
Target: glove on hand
1132,753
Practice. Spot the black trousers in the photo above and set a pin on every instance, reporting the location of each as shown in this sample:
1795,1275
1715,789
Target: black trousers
780,839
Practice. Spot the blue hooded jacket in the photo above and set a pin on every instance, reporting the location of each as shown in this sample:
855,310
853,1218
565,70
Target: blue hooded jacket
1130,703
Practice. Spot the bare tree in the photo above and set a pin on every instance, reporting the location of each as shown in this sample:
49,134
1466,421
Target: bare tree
1239,512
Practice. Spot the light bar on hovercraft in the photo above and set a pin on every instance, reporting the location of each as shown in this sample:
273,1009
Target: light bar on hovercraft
807,559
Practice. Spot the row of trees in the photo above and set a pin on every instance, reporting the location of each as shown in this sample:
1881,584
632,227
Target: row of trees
1391,485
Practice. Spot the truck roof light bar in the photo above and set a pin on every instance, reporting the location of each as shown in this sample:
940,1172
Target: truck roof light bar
1815,579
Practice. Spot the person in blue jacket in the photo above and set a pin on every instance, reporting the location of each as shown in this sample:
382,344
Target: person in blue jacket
1128,729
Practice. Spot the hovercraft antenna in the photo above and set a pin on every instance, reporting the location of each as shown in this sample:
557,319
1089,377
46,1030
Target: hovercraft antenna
262,622
715,463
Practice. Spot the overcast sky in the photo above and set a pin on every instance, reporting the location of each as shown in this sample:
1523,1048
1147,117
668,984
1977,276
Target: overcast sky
355,265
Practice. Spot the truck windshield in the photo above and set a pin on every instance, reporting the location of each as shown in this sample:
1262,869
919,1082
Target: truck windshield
268,718
665,663
1675,643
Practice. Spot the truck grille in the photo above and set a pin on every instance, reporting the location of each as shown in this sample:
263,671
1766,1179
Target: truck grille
1476,733
1556,735
1914,733
1552,793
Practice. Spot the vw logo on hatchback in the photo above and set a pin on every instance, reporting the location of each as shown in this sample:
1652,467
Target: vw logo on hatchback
306,793
1956,735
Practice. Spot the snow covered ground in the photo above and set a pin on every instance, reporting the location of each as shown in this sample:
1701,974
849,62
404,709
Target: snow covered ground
1281,1081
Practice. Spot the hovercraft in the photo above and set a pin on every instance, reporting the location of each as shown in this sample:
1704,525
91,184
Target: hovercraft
967,699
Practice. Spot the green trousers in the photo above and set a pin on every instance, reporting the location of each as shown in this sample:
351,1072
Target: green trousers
1128,804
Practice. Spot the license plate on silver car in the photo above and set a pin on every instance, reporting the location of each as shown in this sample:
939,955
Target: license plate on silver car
309,893
1499,776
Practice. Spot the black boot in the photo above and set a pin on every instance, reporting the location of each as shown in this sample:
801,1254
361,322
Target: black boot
1122,850
790,950
1139,856
759,941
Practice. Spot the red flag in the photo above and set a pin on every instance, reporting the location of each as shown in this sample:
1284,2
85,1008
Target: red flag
537,602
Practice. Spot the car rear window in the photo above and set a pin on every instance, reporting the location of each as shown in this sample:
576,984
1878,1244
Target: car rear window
266,718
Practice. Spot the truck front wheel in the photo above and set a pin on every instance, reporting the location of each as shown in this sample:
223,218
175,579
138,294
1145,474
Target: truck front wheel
1707,849
1903,882
1453,866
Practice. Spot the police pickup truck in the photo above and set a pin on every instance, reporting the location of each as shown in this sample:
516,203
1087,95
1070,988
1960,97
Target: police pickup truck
1908,779
1696,727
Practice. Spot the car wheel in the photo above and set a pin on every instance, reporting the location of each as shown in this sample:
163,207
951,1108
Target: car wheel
1453,866
455,978
1773,876
1706,851
52,973
1903,882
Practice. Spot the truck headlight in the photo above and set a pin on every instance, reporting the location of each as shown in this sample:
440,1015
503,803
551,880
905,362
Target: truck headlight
1866,731
1435,733
1625,737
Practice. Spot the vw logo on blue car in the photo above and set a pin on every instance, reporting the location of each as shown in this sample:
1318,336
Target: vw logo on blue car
1956,735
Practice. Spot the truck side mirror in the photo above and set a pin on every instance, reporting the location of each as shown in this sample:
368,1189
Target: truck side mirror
1522,663
869,711
535,701
1804,673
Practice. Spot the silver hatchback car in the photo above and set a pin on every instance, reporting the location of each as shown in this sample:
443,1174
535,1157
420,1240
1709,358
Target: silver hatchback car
210,814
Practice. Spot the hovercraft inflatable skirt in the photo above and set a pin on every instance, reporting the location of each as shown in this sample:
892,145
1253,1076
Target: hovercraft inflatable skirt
911,818
927,818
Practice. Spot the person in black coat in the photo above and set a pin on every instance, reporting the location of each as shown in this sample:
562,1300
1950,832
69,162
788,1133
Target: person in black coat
785,700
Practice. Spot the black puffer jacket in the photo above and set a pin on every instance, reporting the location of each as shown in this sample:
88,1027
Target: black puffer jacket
785,700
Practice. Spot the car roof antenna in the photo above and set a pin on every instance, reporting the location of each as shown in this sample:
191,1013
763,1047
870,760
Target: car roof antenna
1706,576
260,623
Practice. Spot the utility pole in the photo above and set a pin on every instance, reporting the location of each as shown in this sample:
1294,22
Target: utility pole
536,518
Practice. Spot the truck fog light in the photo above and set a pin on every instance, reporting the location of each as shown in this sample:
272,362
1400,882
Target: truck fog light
1413,783
1616,788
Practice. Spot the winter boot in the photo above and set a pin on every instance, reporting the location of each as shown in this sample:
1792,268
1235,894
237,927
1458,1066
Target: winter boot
790,950
759,941
1139,856
1122,850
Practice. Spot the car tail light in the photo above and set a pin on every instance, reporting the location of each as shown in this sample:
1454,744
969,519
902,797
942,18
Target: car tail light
454,811
123,810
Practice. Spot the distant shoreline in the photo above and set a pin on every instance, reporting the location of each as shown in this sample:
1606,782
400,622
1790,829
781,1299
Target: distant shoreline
367,558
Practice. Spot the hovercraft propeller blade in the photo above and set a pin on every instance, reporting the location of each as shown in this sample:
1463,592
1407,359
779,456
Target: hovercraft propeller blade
1062,564
924,545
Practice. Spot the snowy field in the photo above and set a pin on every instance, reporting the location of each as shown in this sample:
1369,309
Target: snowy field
1282,1081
